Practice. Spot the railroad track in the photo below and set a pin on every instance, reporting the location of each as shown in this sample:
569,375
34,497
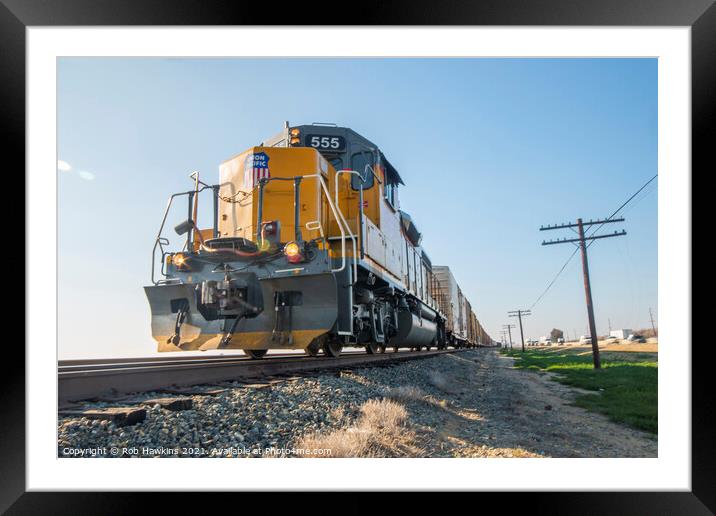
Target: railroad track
92,379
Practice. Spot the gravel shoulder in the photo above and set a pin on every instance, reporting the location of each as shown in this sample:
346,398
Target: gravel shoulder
525,414
467,404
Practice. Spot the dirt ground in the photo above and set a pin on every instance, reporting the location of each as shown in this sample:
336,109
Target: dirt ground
633,347
494,410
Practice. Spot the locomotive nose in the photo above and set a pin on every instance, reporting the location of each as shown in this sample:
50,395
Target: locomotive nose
285,312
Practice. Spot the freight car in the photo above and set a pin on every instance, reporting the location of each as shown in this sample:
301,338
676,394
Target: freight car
461,325
308,249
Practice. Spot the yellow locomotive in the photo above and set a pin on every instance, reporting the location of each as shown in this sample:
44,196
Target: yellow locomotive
308,250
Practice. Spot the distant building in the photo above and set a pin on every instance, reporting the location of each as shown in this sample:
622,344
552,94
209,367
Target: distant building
621,334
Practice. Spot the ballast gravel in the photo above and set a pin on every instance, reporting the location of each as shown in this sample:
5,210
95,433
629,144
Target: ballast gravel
467,404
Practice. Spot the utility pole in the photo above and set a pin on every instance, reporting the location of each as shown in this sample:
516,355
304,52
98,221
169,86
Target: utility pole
582,243
651,316
509,330
519,314
610,325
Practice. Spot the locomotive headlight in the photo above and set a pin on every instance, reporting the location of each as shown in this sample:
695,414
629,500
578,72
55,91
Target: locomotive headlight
294,136
293,252
180,261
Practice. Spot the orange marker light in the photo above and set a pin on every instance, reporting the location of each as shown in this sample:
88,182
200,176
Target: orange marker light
293,252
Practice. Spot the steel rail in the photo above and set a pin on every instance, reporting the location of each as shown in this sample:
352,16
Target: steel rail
103,380
92,365
89,363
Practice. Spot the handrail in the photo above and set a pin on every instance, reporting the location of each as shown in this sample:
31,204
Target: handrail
337,213
158,240
339,219
353,238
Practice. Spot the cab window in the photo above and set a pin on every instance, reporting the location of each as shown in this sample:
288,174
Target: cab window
358,163
390,192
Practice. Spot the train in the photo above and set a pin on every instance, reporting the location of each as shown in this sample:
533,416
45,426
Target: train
307,249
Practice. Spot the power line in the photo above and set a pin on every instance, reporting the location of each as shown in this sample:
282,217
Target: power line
590,243
555,278
643,195
622,206
629,199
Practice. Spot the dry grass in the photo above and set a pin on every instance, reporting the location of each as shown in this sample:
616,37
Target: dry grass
380,431
338,415
484,451
383,414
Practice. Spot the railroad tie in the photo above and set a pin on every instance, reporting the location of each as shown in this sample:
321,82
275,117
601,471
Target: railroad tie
121,416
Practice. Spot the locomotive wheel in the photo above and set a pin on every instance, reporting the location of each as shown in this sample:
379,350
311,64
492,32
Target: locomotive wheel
427,348
332,348
395,349
372,348
313,348
255,353
381,349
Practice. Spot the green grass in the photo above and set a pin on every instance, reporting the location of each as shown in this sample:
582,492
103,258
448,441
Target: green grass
625,388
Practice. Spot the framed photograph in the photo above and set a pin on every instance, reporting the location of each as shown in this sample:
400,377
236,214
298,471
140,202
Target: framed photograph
440,250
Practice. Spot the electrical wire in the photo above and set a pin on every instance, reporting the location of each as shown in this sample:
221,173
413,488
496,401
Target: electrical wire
621,207
555,278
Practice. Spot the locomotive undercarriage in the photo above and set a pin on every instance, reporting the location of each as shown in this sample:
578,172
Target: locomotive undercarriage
387,317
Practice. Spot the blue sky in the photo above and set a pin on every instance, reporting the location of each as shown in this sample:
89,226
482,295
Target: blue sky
489,149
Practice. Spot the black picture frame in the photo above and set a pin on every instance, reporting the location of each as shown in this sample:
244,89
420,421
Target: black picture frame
700,15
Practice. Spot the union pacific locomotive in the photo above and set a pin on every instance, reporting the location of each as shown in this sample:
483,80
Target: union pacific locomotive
309,250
